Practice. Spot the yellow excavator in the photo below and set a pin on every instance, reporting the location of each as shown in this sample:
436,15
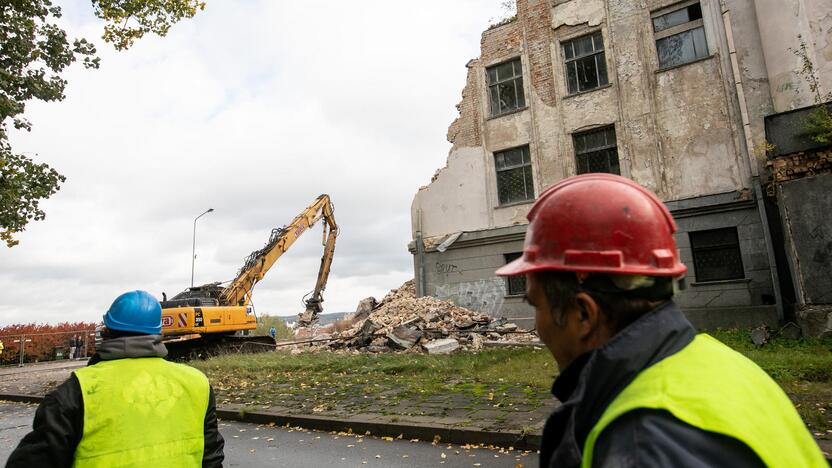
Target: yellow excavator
211,319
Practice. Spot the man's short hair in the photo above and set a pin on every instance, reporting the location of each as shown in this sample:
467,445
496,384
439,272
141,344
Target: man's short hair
621,305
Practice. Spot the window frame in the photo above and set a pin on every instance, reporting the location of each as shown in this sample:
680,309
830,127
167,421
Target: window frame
694,249
518,280
529,187
567,62
497,83
606,147
679,29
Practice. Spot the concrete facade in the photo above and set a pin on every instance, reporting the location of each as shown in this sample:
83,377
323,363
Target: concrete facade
801,183
686,132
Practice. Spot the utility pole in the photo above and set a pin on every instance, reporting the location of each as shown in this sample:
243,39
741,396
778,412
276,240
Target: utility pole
193,250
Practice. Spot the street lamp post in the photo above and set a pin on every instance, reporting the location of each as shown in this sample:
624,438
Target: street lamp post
193,251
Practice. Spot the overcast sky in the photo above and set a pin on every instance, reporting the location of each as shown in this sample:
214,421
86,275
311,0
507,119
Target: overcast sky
252,108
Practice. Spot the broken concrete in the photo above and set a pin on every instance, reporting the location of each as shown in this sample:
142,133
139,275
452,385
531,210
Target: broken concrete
405,337
443,346
365,307
760,336
401,321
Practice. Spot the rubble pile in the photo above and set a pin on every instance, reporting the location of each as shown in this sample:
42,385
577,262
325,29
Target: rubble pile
403,322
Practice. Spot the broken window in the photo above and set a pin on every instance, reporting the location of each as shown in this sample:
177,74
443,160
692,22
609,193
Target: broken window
716,254
505,87
680,35
596,151
586,66
514,175
515,285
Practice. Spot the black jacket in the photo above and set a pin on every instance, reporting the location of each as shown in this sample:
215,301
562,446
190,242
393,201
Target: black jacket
642,438
59,420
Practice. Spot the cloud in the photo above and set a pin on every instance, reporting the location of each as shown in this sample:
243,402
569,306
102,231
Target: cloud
252,108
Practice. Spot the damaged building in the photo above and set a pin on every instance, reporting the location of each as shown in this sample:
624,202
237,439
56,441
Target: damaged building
673,95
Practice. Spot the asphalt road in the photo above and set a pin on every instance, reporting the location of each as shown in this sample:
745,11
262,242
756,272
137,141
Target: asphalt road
250,445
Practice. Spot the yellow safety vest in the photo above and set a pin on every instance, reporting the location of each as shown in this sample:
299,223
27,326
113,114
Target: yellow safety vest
714,388
142,412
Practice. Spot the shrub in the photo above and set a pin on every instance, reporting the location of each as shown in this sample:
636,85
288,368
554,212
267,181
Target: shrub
46,340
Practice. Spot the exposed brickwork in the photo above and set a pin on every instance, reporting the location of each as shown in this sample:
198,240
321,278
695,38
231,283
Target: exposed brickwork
465,130
799,165
536,17
501,43
498,43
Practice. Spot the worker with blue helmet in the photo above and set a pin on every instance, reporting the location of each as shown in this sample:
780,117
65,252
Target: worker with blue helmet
135,312
129,407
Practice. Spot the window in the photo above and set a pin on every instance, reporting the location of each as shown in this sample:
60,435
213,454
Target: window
514,175
595,151
505,87
515,285
586,67
716,254
680,35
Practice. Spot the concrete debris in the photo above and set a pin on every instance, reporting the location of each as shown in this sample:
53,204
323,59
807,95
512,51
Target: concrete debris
404,323
476,342
760,335
404,337
365,334
365,307
791,331
443,346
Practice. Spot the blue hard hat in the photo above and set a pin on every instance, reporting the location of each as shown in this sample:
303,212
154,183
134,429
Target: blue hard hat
135,311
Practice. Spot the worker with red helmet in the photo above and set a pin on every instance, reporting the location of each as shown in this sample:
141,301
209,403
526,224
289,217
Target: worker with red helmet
638,386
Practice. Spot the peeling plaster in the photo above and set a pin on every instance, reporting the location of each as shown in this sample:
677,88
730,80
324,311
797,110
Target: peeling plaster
455,200
577,12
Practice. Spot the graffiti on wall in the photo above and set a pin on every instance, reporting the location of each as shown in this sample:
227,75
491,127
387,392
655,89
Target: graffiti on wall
485,295
445,268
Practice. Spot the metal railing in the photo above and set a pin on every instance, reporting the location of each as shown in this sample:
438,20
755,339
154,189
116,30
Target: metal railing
21,348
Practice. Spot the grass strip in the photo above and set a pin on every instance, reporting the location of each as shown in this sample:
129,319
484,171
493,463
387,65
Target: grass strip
520,377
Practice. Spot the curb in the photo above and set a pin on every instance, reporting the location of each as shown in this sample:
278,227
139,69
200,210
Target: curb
357,425
21,398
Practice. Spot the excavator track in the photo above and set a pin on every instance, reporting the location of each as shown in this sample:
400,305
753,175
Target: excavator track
210,346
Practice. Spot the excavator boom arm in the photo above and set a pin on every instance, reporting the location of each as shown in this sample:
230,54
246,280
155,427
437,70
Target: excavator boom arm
238,293
313,304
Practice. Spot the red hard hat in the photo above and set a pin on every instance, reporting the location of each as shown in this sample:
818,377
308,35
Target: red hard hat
599,223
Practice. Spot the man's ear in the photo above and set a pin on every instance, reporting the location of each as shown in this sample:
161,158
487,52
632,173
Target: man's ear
589,314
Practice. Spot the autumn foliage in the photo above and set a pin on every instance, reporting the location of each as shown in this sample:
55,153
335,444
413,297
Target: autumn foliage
46,340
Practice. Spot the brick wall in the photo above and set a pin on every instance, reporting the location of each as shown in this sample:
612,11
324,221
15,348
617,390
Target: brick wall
465,130
536,16
501,43
798,165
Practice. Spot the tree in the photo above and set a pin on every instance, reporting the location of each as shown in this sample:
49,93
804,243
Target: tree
34,51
